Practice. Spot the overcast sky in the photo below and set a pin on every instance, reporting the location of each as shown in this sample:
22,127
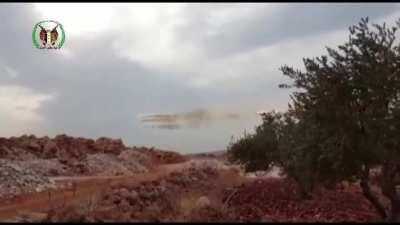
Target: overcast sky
203,69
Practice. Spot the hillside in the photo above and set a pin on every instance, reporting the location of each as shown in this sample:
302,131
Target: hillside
66,179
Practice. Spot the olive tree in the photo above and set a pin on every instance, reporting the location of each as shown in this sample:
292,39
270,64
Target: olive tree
283,141
351,96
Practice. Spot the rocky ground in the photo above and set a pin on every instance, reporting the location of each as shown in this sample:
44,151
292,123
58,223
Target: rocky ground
210,193
110,182
151,201
275,200
17,177
27,163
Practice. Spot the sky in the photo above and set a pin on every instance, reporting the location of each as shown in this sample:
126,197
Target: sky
187,77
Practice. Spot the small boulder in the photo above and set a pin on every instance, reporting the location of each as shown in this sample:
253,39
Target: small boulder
124,193
203,201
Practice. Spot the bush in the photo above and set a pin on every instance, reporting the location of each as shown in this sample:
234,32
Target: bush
279,141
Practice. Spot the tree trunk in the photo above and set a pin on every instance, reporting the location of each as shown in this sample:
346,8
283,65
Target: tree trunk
304,188
395,209
390,190
372,198
364,184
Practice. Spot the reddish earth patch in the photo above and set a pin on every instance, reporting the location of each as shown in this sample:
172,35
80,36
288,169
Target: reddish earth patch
275,200
151,201
163,156
86,188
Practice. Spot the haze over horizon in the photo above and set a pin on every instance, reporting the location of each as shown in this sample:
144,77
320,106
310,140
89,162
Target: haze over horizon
178,76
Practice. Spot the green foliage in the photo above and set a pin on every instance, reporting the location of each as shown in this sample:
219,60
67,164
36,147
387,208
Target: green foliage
351,95
343,119
250,150
281,141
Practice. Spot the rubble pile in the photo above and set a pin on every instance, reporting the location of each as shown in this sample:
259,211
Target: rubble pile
72,152
134,159
45,167
35,159
107,145
62,147
105,164
163,157
111,165
16,180
212,164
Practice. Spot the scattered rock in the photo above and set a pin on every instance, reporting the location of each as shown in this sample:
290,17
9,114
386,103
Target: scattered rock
17,177
108,145
163,157
111,165
31,217
203,201
135,158
277,198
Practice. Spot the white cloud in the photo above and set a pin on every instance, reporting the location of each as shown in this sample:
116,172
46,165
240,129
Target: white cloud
230,13
85,19
147,34
9,71
266,60
18,109
218,55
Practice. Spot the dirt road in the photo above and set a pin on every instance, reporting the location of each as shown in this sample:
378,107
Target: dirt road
86,188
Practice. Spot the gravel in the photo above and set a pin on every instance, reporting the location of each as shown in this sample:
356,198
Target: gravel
111,165
17,177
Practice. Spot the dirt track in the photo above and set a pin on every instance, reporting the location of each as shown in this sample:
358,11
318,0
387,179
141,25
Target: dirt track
86,188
